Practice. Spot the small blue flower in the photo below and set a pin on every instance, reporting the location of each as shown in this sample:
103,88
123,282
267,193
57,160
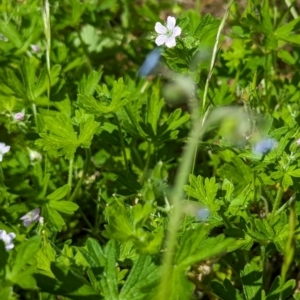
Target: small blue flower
203,214
150,62
264,146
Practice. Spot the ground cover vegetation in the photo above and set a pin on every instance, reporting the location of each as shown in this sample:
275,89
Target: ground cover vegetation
149,150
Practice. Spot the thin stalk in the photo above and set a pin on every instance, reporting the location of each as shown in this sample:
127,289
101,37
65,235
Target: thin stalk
285,205
70,175
263,261
85,170
226,222
254,186
1,176
176,196
214,56
47,31
149,148
122,143
293,10
290,246
34,113
212,64
86,219
277,200
184,168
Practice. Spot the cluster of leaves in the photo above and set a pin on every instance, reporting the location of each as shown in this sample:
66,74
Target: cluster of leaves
110,146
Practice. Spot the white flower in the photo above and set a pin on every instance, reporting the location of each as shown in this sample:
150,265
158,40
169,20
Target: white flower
7,238
19,116
34,155
3,149
41,221
35,48
167,33
31,216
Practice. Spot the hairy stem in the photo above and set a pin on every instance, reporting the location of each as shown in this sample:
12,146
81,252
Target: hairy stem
85,170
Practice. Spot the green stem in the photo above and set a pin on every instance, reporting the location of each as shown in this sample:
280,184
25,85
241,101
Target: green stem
86,219
263,261
286,204
214,56
290,245
122,143
85,170
293,10
1,176
181,178
70,175
149,148
226,222
34,114
47,31
277,200
176,196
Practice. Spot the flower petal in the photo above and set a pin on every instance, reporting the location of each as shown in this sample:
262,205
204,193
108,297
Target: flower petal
27,222
5,149
9,246
150,62
160,29
171,21
170,42
1,157
161,39
12,235
176,31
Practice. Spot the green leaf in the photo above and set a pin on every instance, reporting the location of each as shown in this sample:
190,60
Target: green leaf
109,101
195,248
88,128
53,218
252,282
204,190
93,254
10,31
68,282
286,57
189,243
141,279
284,32
66,207
207,23
294,173
226,291
276,289
60,138
3,258
154,106
87,86
59,193
7,293
28,76
119,227
25,253
109,279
